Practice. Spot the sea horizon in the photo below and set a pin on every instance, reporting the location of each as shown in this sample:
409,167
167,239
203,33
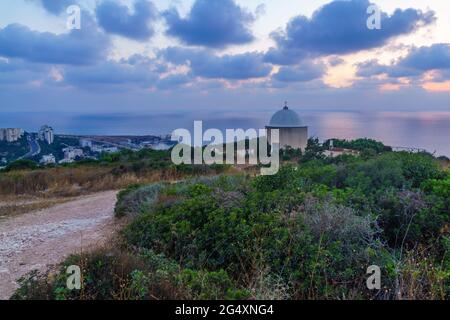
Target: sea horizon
411,129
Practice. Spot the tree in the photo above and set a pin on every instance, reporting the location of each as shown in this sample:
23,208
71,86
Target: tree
313,151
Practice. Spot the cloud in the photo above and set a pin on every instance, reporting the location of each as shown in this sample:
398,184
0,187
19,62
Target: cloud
57,6
16,71
146,62
85,46
442,76
340,27
173,81
370,68
434,57
109,73
414,64
373,68
285,57
211,23
335,61
204,63
117,19
305,71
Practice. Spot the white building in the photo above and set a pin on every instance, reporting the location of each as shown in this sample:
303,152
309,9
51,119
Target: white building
72,153
110,149
161,146
101,149
63,161
11,134
334,152
48,159
292,132
86,143
46,134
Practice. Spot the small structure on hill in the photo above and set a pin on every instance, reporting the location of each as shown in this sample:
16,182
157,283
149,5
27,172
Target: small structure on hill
293,133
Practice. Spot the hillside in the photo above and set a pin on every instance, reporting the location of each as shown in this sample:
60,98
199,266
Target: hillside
13,150
56,147
308,232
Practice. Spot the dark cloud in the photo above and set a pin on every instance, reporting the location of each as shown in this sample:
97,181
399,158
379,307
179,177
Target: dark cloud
305,71
211,23
16,71
374,68
109,73
57,6
146,62
335,61
434,57
204,63
78,47
117,19
340,27
370,68
414,64
285,57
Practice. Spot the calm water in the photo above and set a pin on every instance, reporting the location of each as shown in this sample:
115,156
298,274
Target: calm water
427,130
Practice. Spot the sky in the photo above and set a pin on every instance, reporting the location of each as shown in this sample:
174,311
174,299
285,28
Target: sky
188,56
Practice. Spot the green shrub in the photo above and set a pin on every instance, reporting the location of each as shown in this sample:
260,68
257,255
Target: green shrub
308,232
217,285
21,165
34,286
135,199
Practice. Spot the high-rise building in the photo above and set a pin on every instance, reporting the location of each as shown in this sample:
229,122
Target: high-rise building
46,134
11,134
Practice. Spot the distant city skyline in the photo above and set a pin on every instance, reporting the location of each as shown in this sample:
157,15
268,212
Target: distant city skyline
197,56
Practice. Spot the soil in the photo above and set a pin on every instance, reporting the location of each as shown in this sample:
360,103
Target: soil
44,238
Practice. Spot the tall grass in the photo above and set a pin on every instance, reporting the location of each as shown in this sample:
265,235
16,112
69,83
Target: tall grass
74,181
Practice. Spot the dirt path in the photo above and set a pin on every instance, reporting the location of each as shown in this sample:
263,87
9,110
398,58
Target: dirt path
40,239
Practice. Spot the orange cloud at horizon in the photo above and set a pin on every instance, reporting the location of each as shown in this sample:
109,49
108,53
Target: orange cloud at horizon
437,86
390,87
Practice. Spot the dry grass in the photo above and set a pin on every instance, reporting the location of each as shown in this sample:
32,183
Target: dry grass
25,191
420,278
71,182
9,209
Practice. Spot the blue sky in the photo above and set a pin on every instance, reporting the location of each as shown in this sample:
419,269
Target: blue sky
237,55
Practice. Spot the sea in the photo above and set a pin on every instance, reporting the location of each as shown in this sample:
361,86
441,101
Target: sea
429,130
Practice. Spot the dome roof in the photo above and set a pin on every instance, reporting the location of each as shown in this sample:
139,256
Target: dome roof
285,118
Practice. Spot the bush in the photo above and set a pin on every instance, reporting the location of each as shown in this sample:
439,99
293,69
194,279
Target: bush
21,165
217,285
34,286
135,199
368,146
308,232
107,275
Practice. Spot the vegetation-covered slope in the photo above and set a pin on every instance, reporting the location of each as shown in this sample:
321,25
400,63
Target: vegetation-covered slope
309,232
13,150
